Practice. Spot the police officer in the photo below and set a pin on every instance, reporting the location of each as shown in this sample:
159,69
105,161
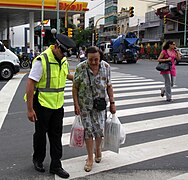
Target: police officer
45,99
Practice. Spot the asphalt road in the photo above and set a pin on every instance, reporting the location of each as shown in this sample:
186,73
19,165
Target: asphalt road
142,105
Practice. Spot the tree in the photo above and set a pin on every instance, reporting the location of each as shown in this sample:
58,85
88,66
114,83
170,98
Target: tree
82,37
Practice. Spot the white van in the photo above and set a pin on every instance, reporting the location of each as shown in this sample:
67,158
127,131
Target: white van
9,63
105,47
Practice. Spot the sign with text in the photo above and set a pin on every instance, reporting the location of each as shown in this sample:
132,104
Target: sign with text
48,4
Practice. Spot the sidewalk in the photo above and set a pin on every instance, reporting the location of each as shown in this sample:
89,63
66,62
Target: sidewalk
138,175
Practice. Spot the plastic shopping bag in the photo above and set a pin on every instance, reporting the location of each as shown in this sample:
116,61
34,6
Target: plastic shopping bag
77,133
114,133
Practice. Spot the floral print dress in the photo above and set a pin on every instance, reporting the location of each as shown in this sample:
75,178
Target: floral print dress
90,87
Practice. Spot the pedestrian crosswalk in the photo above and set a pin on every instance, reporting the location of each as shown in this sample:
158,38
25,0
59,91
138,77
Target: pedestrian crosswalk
155,128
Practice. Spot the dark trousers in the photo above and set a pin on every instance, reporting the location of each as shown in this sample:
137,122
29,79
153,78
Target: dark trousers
49,122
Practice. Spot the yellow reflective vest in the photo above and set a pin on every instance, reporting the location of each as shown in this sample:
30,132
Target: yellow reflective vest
52,84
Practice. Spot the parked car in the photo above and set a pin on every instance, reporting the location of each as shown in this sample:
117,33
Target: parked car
184,55
9,63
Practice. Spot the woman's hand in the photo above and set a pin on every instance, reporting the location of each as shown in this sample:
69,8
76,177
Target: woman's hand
169,59
112,108
77,109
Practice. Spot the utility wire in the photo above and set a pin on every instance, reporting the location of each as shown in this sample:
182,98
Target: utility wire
97,5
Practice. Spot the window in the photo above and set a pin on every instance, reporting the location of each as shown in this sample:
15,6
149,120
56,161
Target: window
2,49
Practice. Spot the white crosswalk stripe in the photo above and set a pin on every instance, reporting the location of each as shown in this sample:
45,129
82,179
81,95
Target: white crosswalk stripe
135,96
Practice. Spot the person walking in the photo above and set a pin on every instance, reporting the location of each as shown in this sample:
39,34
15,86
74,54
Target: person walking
169,53
45,99
91,85
31,57
82,54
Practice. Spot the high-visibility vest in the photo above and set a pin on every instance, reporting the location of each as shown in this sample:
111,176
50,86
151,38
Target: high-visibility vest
52,84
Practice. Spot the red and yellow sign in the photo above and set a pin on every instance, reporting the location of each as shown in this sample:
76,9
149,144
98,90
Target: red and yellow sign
76,6
48,4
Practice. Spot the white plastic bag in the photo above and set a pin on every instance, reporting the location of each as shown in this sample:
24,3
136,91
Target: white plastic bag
114,133
77,133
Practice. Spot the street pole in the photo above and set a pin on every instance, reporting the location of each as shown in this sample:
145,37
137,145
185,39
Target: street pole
42,25
93,38
58,20
185,26
138,29
95,29
66,13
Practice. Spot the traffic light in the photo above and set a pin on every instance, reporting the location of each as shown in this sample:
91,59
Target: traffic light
70,32
131,11
165,20
43,32
96,36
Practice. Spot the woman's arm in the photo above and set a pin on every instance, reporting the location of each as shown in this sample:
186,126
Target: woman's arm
111,99
75,99
70,77
161,58
178,55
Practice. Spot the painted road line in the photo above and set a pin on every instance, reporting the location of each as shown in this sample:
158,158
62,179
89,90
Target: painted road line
7,93
151,109
142,110
140,126
117,75
130,88
127,156
135,101
68,84
180,177
137,84
137,88
126,95
120,78
131,81
126,88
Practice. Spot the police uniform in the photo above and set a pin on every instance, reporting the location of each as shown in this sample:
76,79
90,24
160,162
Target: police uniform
50,75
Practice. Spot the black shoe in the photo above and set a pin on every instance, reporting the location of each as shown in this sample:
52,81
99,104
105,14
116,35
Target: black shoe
169,100
60,172
38,166
162,92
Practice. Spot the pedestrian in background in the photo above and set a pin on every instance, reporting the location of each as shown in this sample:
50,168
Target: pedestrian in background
45,99
82,54
169,53
91,85
31,57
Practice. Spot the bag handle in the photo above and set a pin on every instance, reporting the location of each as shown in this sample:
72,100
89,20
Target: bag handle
89,82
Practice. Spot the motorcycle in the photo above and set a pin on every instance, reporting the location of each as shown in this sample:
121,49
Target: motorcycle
24,61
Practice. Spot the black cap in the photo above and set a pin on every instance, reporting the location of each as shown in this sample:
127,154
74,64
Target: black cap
64,42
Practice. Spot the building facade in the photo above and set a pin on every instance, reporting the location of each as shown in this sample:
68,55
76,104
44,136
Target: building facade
122,21
174,25
110,26
153,28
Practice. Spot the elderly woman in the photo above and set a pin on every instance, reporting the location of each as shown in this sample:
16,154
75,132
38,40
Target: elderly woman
91,86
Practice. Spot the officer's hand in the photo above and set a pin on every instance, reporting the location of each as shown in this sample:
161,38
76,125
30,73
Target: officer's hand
32,116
